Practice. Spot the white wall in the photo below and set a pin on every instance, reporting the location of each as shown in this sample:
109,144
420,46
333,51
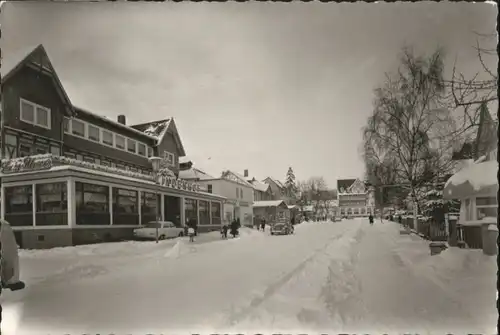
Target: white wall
227,188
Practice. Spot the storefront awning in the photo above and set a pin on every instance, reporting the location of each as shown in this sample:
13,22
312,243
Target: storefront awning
476,179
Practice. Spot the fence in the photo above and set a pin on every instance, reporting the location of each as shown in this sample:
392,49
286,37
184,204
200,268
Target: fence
430,229
471,235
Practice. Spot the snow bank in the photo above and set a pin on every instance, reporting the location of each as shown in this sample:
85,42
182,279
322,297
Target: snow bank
478,175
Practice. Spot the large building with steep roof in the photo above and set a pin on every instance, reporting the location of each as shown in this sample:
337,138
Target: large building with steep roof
72,176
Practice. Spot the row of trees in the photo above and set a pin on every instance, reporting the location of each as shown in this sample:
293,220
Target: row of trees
313,191
419,119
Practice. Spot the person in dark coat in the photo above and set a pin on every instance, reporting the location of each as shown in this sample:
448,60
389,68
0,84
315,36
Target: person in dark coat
225,228
263,224
370,218
234,228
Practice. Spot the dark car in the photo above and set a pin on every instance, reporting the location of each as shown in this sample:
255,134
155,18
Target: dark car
281,229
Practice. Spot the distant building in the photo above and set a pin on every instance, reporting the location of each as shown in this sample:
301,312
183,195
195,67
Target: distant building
238,192
355,198
262,190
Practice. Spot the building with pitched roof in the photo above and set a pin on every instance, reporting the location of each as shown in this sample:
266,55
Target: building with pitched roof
355,198
237,191
71,176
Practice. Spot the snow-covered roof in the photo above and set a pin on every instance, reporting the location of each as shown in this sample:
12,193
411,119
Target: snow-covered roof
195,174
236,177
276,181
260,186
472,179
113,122
155,129
269,203
66,163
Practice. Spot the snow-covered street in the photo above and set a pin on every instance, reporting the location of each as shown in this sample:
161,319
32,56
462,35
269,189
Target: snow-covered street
341,276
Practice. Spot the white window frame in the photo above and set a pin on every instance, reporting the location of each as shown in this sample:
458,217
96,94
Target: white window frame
128,140
35,114
124,142
98,132
149,149
112,137
84,129
138,145
169,154
476,207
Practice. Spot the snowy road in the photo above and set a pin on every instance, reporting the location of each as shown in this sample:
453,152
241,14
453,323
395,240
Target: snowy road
343,276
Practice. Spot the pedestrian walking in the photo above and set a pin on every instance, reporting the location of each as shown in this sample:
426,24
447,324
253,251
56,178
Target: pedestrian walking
225,228
370,218
263,224
234,228
191,233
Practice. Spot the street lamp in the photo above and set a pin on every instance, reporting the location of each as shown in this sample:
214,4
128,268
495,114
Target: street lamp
155,162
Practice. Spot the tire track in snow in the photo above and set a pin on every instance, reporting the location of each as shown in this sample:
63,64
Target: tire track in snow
341,293
237,317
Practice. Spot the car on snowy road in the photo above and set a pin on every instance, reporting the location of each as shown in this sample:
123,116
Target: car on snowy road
281,229
162,229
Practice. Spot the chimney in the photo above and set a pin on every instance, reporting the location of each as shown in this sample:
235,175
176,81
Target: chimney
245,173
122,119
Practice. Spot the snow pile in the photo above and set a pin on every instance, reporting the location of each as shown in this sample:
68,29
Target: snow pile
300,299
478,175
11,317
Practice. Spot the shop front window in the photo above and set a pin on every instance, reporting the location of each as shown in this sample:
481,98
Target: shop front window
19,205
51,204
204,212
92,204
149,207
216,213
125,207
191,211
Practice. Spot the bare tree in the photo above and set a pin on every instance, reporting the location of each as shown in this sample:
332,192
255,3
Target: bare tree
407,130
312,193
467,95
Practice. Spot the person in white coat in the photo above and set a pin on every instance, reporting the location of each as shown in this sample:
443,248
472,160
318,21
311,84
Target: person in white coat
9,260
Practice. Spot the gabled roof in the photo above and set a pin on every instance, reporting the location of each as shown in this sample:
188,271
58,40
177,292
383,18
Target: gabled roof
38,58
275,181
158,130
234,176
344,184
260,186
194,174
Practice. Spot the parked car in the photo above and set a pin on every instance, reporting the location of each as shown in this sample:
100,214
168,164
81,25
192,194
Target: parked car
165,229
10,270
281,229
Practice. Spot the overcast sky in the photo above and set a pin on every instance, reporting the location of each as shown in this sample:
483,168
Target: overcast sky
258,86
